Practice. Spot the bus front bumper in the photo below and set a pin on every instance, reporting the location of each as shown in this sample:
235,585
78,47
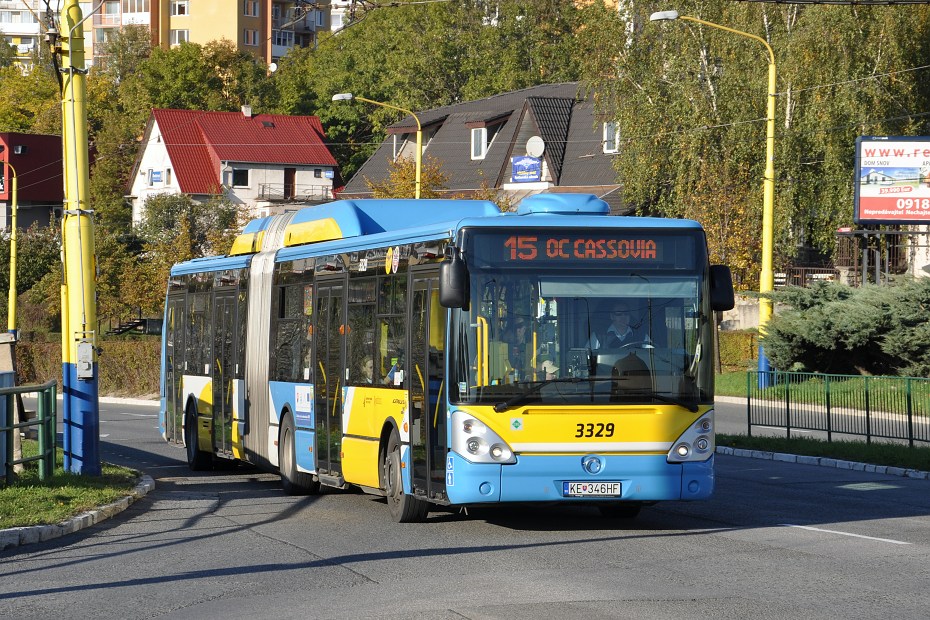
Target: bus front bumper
543,479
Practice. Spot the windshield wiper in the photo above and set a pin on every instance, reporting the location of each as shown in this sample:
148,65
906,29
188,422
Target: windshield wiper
692,407
538,385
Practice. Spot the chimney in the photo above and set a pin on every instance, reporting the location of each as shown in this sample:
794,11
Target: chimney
247,111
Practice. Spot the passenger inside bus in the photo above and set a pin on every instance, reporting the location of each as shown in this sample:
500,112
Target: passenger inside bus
366,369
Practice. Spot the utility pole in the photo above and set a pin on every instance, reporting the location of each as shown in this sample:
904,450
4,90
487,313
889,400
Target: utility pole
81,414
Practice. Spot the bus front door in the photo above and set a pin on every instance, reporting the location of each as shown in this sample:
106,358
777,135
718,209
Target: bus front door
427,387
224,333
174,355
330,347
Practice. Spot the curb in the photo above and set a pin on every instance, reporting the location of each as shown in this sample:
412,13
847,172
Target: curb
822,461
17,536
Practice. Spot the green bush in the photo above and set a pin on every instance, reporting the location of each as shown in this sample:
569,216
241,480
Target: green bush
738,349
833,328
128,367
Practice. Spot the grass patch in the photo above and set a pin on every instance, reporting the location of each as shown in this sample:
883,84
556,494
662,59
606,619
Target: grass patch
30,501
731,384
892,455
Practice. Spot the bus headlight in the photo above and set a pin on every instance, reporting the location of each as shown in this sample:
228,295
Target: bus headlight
474,441
696,443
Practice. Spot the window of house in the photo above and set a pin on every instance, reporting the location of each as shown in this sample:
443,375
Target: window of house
611,137
150,177
167,176
481,140
275,11
319,19
399,142
180,36
180,7
240,177
250,37
135,6
283,37
250,8
318,173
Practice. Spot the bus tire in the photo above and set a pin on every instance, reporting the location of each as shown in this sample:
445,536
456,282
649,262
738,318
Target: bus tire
620,510
197,460
404,508
293,481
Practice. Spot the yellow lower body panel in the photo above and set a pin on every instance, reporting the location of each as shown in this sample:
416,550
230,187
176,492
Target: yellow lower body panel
360,464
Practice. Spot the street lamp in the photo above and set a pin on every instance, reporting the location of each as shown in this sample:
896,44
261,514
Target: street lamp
11,309
766,277
418,159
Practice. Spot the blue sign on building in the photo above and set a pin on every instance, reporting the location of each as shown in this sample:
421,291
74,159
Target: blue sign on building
525,169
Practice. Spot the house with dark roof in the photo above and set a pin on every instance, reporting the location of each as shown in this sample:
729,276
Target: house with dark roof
33,161
260,161
546,138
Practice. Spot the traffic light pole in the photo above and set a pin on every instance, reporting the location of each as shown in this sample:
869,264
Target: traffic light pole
81,414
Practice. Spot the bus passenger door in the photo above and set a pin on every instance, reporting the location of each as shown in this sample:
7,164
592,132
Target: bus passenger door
427,387
330,345
174,356
224,370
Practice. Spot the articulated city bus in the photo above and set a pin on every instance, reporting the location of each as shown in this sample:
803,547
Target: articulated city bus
442,353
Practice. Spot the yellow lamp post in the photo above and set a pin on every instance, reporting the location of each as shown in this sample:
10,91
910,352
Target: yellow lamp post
767,276
11,309
418,158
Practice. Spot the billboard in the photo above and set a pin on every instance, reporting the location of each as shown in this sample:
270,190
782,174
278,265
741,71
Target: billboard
892,180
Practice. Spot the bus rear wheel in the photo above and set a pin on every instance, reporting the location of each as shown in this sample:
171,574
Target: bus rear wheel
197,460
404,508
293,481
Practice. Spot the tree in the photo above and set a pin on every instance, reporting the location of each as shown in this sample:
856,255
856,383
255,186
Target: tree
175,229
423,56
7,54
401,179
690,101
833,328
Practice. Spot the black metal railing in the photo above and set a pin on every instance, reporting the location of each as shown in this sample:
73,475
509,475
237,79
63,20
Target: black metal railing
281,192
45,422
871,407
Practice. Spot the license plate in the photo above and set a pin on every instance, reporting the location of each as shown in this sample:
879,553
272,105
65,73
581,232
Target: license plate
591,489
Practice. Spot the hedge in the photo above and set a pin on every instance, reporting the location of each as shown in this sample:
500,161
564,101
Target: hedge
130,367
127,367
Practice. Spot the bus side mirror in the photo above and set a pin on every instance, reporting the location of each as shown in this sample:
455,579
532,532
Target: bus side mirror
721,288
453,280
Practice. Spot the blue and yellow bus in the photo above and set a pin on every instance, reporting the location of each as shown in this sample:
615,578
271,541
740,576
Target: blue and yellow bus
443,353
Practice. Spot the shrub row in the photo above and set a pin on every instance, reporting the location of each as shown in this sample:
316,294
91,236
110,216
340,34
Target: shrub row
127,367
130,367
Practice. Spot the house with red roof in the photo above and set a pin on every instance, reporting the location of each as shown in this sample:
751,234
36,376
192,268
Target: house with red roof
263,162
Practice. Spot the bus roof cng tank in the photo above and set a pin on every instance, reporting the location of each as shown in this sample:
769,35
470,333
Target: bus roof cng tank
563,204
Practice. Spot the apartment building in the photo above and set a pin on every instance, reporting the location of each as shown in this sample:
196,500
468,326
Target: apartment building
267,29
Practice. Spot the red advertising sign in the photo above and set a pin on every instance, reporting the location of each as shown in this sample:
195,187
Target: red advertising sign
892,180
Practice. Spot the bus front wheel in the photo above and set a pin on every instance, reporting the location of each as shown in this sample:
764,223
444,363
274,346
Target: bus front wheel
404,508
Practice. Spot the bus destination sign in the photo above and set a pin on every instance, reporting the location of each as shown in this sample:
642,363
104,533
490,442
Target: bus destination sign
579,247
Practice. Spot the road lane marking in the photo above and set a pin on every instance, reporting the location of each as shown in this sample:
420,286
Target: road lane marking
817,529
139,415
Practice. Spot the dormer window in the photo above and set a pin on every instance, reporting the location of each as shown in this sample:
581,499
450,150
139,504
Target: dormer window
611,137
483,134
479,142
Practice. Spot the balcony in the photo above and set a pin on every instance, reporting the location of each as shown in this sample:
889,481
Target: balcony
282,192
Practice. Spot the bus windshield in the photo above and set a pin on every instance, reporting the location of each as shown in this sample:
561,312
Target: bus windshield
561,334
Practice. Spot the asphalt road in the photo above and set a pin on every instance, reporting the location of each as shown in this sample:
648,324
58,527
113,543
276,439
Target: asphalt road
778,540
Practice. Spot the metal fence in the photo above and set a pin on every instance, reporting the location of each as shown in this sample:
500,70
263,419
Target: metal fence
872,407
45,422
